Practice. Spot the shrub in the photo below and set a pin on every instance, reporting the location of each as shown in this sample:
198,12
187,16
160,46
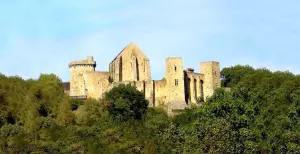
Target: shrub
125,102
75,103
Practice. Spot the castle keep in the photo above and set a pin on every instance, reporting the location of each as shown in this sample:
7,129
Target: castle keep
179,88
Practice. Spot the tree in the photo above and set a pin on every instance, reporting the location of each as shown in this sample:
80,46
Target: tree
260,114
232,75
125,102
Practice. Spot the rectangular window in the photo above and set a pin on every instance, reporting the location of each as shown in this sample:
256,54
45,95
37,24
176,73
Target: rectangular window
176,82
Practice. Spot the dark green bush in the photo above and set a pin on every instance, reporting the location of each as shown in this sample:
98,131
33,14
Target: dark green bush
75,103
125,102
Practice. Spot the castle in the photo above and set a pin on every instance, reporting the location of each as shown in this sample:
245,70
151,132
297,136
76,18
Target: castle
179,88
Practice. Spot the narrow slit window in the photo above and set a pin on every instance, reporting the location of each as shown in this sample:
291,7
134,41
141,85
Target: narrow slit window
175,68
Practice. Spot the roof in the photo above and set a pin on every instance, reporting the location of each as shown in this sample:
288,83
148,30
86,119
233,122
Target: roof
131,44
121,52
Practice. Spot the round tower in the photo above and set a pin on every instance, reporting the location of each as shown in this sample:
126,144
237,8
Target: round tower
78,69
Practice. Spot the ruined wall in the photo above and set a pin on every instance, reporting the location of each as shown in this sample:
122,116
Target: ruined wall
211,71
130,65
117,70
96,84
200,86
139,86
150,93
77,85
194,88
160,92
191,91
146,75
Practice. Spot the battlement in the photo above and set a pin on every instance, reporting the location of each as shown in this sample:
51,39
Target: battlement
210,62
173,58
89,61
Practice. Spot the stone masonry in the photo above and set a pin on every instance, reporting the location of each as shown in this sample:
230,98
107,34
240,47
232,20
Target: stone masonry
180,87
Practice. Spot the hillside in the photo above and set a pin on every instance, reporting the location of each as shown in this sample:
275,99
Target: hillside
259,114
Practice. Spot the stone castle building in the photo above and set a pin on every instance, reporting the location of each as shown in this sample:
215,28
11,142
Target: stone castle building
175,91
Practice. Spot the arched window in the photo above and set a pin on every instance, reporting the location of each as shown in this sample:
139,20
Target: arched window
189,89
120,69
201,89
137,69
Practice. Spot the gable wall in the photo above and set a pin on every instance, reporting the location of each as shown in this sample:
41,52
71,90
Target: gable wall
130,65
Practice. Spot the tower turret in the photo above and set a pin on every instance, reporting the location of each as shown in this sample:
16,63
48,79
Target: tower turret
77,75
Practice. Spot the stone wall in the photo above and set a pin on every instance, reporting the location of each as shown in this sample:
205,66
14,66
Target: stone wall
146,87
160,92
179,87
175,92
77,71
194,88
150,93
96,84
130,65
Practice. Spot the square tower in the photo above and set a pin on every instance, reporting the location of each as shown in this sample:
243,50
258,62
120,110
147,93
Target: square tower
175,83
212,77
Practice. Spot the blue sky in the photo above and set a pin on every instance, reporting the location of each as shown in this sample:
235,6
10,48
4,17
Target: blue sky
44,36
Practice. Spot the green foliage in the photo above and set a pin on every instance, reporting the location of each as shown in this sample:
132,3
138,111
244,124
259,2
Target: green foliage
125,102
75,103
232,75
259,114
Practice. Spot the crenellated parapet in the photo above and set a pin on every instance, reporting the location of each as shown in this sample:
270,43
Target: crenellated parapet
89,62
